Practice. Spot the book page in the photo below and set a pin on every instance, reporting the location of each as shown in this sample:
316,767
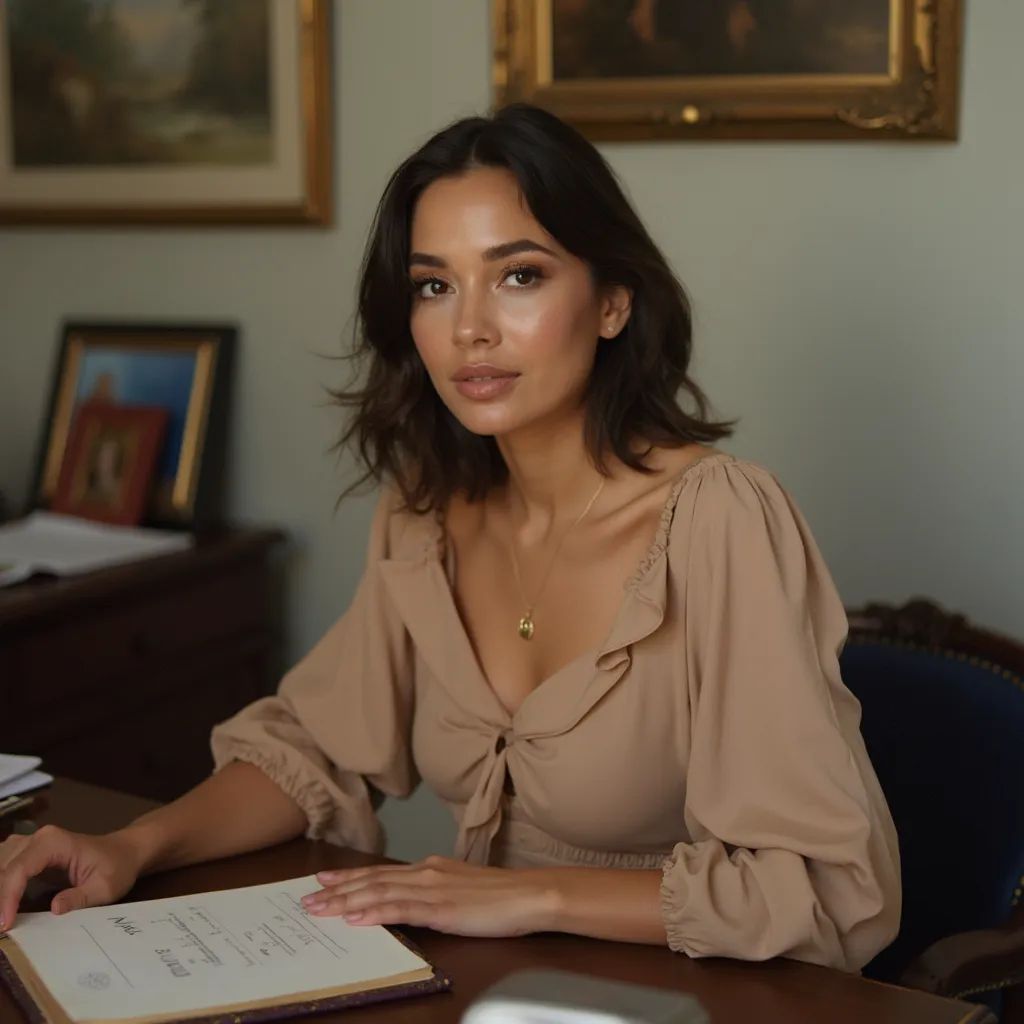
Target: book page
48,542
25,783
189,953
13,765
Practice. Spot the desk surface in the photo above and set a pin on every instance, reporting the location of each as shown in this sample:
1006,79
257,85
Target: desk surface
772,993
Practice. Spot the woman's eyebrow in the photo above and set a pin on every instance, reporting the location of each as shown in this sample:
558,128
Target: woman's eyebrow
426,260
496,252
506,249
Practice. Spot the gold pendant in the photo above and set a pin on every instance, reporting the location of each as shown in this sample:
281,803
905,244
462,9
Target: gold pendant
526,627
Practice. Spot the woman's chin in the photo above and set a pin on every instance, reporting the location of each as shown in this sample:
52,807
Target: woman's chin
486,420
487,426
496,420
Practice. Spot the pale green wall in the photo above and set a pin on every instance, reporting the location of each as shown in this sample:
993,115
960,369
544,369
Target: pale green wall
859,305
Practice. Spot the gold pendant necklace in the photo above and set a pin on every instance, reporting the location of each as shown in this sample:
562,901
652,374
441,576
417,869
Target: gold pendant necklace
525,627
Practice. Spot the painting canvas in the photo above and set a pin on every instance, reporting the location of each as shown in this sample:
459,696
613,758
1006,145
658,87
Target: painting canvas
633,69
101,477
139,82
209,109
650,38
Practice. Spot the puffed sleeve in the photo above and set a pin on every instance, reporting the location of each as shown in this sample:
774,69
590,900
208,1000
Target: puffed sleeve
341,718
793,851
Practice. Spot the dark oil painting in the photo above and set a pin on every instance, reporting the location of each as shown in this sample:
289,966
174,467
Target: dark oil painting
139,82
648,38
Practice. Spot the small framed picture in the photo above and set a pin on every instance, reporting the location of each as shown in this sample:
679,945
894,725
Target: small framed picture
735,69
109,462
155,111
182,370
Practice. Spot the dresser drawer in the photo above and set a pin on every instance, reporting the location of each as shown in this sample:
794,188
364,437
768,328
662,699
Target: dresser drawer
162,749
72,659
117,676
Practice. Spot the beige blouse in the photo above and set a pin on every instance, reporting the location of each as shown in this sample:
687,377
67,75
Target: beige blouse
710,735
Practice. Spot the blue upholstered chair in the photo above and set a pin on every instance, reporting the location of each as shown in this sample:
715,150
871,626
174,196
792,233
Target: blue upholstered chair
943,720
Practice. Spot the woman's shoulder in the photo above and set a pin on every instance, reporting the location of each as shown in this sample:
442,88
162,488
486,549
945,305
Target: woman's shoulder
730,513
706,480
688,483
718,496
716,477
399,531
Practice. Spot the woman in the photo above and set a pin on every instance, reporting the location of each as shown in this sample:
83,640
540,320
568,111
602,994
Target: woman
610,647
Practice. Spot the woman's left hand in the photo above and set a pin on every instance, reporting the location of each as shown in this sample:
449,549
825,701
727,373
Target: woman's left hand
439,893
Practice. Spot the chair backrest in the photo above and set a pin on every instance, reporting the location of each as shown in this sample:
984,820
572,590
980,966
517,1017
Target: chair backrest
943,721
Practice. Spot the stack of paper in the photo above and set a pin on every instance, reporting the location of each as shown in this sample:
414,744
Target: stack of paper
63,545
19,773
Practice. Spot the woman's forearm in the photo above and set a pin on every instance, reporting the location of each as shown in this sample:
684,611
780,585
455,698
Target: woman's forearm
237,810
606,903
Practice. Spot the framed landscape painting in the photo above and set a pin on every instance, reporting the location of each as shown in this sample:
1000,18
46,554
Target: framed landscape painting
648,69
164,111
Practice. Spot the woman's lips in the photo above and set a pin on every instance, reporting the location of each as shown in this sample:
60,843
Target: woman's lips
484,382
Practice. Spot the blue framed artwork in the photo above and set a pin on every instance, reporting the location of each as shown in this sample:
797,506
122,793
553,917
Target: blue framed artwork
183,370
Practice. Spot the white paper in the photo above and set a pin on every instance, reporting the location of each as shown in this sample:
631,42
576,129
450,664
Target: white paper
13,765
64,545
188,953
14,573
23,783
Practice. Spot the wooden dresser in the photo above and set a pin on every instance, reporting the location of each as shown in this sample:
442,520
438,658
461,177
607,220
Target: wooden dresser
116,677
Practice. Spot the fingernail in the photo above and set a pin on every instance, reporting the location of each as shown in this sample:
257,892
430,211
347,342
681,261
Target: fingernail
356,915
316,905
329,875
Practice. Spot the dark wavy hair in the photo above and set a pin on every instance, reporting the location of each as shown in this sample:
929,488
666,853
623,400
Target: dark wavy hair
400,429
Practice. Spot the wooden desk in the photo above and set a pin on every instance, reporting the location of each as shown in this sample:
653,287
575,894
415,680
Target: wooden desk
780,992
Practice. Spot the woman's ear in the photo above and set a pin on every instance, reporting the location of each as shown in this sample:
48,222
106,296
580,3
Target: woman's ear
616,305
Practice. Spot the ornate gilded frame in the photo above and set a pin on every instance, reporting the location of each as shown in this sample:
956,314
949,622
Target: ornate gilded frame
313,206
918,98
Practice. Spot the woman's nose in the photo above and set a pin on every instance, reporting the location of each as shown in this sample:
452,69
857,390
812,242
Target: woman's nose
474,324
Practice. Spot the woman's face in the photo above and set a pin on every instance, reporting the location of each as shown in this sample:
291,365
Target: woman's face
506,321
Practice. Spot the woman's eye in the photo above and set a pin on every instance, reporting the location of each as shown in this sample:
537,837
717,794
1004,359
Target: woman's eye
429,288
523,277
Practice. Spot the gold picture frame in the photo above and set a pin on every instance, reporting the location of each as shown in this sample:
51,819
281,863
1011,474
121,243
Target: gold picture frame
905,87
183,369
174,161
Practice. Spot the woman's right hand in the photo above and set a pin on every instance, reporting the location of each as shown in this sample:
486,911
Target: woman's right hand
100,869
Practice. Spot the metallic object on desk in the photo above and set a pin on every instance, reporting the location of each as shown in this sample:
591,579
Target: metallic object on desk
563,997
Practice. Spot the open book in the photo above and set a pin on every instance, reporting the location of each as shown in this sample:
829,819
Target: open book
253,953
65,545
19,774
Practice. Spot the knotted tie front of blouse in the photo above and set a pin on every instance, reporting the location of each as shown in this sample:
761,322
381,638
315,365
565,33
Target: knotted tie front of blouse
710,734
